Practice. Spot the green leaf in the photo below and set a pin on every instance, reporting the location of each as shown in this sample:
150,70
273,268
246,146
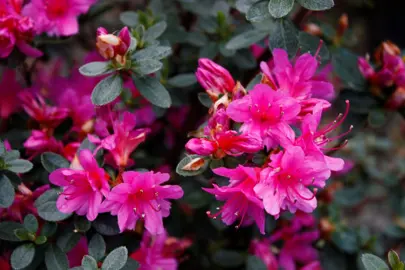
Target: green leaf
205,100
316,4
41,240
22,234
349,196
151,89
256,80
31,223
377,118
372,262
393,259
258,12
310,43
197,199
227,258
97,247
55,258
82,224
147,66
280,8
2,148
182,80
95,69
11,155
89,263
346,241
155,31
245,39
52,161
7,229
209,51
255,263
129,18
19,166
197,39
22,256
244,59
46,206
285,36
192,172
68,240
107,90
155,52
131,265
7,192
49,229
116,259
345,66
106,224
225,51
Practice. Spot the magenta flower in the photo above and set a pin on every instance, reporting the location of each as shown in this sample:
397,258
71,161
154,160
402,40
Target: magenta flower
9,102
83,190
15,30
76,254
265,113
298,81
40,141
124,140
213,78
262,250
284,185
57,17
151,253
241,201
141,196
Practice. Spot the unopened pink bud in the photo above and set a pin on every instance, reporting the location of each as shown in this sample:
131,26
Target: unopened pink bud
213,77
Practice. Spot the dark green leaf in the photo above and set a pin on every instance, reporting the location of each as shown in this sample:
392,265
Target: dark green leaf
7,192
182,80
227,258
106,224
225,51
349,196
244,59
255,263
285,36
19,166
377,118
197,199
55,259
31,223
49,212
151,89
345,65
116,259
129,18
147,66
197,39
89,263
316,4
208,24
209,51
95,69
280,8
2,148
131,265
52,161
82,224
11,155
22,234
346,241
155,52
107,90
49,229
310,43
67,241
205,99
201,167
97,247
41,240
7,229
245,39
372,262
22,256
155,31
258,12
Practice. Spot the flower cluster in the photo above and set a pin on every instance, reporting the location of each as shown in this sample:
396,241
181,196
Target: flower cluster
288,96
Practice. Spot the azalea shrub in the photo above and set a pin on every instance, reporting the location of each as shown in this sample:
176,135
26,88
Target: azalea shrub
199,134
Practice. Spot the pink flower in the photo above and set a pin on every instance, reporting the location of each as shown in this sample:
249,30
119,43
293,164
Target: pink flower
261,249
76,254
57,17
9,102
124,140
315,265
83,190
111,46
264,112
213,78
241,201
284,185
141,196
40,142
15,30
298,81
36,107
151,253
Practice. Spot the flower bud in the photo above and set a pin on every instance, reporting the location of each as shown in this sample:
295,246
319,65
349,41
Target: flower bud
396,100
111,46
313,29
343,24
214,78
